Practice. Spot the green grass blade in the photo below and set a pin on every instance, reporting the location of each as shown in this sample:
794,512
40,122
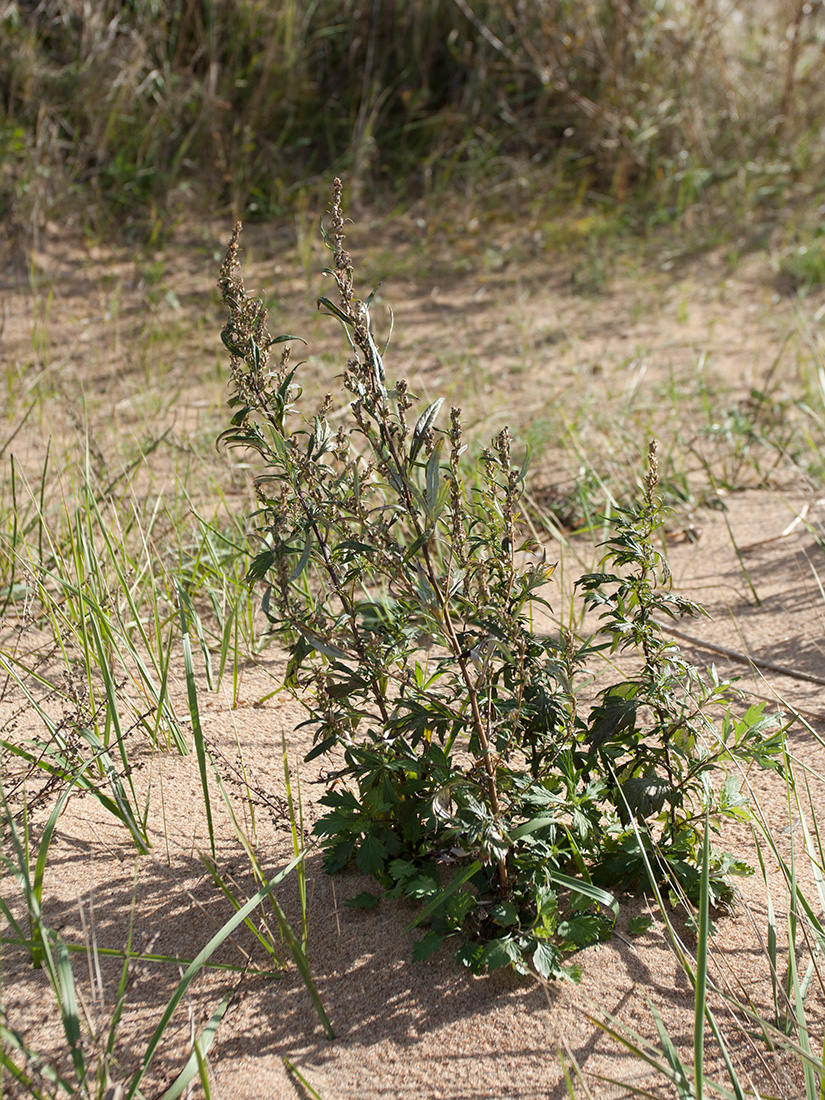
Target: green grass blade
127,815
266,942
196,1063
69,1008
194,714
295,948
161,663
680,1077
196,965
140,957
300,1077
303,965
58,969
40,867
577,1070
771,945
684,960
701,984
294,824
57,770
811,1089
119,806
10,1038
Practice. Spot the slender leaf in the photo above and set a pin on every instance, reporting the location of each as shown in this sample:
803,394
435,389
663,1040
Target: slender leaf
196,965
194,714
202,1045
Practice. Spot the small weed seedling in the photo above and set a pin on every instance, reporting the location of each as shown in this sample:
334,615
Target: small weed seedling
475,781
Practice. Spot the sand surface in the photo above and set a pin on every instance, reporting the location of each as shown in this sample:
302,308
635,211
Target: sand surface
425,1030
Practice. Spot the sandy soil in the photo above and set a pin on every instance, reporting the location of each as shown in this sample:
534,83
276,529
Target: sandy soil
405,1031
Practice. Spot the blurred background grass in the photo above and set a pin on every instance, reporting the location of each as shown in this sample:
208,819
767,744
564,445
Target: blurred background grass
134,114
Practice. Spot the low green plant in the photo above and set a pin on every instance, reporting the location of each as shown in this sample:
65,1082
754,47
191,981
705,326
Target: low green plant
476,782
659,735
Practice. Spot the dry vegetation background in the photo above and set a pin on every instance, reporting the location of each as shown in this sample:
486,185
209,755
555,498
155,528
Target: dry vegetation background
594,222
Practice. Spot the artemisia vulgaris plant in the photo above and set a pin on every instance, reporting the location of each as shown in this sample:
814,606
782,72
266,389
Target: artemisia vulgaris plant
469,778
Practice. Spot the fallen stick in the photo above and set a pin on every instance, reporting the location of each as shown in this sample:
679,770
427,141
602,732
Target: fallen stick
742,658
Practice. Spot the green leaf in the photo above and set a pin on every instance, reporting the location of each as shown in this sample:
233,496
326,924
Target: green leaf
533,826
425,422
546,960
432,496
371,856
504,952
415,546
356,546
402,869
458,881
322,646
524,466
420,886
365,900
585,888
471,954
335,311
374,354
583,930
427,946
458,907
610,718
260,565
321,748
637,926
337,857
646,794
284,339
304,559
300,651
504,913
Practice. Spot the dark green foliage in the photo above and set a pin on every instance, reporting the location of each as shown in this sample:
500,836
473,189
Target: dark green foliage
475,782
241,101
